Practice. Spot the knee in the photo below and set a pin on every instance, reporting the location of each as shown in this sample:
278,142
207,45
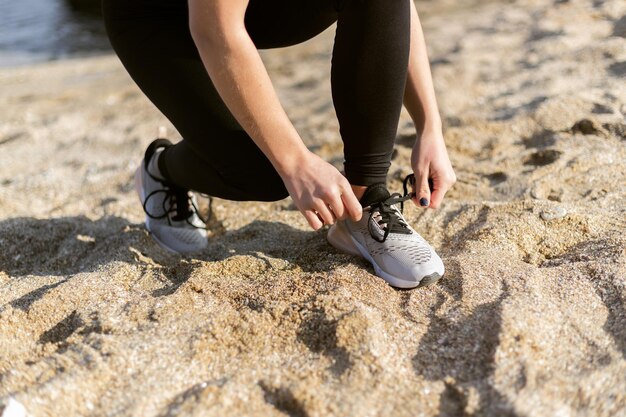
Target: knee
266,186
274,192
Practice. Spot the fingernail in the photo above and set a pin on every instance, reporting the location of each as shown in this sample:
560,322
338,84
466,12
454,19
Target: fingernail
424,202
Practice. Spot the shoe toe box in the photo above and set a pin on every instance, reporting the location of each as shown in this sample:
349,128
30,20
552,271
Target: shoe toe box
181,240
412,264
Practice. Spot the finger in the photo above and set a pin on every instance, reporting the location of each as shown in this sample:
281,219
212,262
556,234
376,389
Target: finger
441,187
437,197
313,220
351,203
337,207
431,189
422,189
325,214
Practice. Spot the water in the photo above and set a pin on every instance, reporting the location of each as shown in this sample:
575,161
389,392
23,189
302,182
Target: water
42,30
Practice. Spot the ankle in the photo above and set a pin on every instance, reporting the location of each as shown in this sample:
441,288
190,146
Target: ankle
358,190
153,165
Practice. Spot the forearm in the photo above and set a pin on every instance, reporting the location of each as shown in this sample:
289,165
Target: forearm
419,94
235,68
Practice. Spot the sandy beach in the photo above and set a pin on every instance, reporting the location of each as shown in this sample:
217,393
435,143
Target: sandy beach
270,320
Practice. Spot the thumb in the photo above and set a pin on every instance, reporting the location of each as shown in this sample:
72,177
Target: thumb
422,189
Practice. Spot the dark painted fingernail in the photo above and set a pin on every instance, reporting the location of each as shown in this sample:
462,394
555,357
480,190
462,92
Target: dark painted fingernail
423,202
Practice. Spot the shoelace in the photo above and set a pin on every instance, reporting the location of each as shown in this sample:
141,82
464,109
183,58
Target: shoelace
173,196
390,220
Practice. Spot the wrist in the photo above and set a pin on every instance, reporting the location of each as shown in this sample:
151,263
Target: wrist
290,162
432,125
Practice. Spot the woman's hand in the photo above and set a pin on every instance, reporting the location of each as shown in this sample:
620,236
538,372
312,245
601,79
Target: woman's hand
430,162
320,191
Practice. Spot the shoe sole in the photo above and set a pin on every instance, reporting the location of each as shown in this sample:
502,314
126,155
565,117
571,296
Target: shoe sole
140,194
355,248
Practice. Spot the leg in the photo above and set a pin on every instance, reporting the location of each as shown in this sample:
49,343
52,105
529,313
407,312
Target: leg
280,23
369,71
216,156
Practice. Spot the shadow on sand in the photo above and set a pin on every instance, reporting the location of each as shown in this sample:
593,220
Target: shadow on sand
461,352
65,246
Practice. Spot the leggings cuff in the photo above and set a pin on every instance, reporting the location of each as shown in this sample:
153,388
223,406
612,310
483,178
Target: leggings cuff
365,179
368,170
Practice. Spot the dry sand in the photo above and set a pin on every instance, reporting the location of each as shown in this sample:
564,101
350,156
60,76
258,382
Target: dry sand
529,320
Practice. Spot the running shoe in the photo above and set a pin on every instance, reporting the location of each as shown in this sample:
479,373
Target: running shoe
172,216
397,252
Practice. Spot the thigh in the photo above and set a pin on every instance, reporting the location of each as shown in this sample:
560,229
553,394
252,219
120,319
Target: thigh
279,23
152,39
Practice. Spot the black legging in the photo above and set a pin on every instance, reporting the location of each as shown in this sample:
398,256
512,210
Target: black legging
216,156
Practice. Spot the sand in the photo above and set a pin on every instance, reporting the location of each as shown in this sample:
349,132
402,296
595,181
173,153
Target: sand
529,320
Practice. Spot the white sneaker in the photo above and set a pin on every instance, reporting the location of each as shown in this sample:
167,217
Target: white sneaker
171,212
398,253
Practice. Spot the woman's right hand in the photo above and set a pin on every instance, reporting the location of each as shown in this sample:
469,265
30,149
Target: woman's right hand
321,193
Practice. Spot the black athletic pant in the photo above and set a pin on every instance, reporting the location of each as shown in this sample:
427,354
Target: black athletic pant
216,156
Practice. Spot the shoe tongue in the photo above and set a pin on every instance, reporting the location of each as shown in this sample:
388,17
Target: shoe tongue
375,193
183,211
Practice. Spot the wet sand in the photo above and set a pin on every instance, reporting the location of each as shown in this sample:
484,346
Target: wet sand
529,320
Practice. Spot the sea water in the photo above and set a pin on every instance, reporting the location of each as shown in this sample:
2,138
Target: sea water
42,30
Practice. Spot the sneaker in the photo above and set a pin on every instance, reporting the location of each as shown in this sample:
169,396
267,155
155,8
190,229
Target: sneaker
171,211
398,253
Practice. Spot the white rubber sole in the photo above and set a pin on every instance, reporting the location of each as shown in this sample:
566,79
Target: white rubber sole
343,241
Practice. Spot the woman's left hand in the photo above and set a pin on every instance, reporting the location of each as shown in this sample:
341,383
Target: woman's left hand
430,161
